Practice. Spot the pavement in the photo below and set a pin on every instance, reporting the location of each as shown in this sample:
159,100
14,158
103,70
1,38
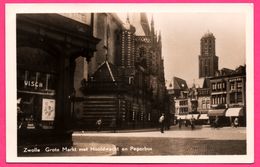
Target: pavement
200,132
203,140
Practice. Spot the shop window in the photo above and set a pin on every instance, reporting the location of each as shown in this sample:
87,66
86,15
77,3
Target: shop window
36,96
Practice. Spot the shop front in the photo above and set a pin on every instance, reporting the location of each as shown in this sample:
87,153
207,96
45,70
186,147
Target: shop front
218,115
46,53
236,113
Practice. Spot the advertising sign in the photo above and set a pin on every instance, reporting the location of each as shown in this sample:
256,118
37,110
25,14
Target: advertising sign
48,109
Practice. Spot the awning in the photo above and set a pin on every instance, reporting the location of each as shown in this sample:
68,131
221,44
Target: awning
234,112
181,116
216,112
203,111
204,116
195,116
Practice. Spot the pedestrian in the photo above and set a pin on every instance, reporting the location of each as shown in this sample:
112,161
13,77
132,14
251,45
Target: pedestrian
99,124
180,123
236,122
113,124
216,122
161,121
192,121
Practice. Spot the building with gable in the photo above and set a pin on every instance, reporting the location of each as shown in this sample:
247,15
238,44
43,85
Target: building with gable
126,79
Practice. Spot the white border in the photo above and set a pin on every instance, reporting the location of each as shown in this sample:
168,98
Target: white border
11,135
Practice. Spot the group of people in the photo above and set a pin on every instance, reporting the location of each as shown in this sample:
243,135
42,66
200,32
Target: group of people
186,122
113,124
234,123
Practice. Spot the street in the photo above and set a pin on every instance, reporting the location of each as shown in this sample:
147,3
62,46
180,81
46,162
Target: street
201,141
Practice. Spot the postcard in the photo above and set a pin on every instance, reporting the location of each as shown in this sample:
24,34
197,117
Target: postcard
129,83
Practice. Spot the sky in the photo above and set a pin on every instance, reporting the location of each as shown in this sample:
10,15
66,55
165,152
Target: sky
181,34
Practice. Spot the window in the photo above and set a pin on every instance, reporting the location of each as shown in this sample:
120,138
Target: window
213,86
141,116
208,105
203,100
239,97
204,106
213,100
149,117
219,86
133,116
232,86
130,80
232,98
223,100
239,86
224,85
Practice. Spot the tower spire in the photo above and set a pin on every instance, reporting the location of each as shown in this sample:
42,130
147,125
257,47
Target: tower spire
127,18
127,24
160,37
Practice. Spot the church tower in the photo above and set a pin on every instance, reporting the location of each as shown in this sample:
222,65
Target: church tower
208,61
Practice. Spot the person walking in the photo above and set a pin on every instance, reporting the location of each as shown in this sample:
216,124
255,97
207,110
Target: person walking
161,121
192,121
180,123
216,122
236,122
113,124
99,124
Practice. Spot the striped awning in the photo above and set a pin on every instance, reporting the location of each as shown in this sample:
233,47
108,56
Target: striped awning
217,112
234,112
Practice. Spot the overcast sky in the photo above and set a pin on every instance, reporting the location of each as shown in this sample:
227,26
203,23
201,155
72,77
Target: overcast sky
181,34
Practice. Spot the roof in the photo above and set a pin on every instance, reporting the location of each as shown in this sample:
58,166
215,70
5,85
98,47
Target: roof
240,70
208,35
106,72
225,72
179,83
206,83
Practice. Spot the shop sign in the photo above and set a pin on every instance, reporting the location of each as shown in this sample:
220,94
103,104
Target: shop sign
33,84
48,109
